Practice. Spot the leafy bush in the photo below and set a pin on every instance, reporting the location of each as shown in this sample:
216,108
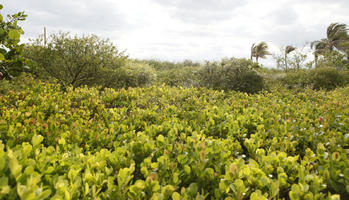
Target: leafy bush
77,61
233,74
345,74
19,83
11,61
333,59
166,65
135,74
296,79
184,76
166,142
326,78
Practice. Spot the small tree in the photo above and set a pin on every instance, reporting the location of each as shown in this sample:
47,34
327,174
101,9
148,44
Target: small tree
295,61
11,61
288,49
76,61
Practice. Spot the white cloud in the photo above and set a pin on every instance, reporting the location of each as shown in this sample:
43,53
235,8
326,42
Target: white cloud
186,29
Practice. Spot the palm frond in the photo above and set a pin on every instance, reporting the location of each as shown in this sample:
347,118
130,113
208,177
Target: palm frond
289,49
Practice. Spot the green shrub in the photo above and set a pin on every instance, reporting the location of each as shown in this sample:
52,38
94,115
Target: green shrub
185,77
163,142
246,81
345,74
233,74
77,61
136,75
166,65
296,79
326,78
16,84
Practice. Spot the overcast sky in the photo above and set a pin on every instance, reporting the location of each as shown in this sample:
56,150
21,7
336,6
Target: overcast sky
175,30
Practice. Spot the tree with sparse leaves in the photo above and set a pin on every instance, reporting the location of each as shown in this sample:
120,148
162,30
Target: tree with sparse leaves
11,61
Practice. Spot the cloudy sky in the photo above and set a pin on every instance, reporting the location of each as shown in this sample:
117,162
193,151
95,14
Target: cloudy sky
175,30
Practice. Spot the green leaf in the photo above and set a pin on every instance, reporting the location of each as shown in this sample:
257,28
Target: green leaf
1,6
187,169
124,176
257,196
160,138
14,34
176,196
335,197
37,139
193,188
1,18
3,181
239,185
15,167
45,194
274,188
2,57
175,178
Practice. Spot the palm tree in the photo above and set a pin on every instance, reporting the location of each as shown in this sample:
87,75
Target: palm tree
260,50
288,50
253,51
337,38
319,48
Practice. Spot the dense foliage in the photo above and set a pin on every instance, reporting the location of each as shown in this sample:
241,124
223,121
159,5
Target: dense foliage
135,74
233,74
326,78
163,143
11,61
77,61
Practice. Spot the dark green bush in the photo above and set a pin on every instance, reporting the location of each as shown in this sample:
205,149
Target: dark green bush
136,75
296,79
184,76
345,75
247,81
16,84
234,74
326,78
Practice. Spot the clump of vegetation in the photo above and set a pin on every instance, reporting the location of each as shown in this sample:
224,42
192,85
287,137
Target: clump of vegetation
135,74
232,74
77,61
326,78
169,142
206,140
11,61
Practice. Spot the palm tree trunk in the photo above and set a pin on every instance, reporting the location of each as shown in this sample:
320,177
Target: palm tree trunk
286,62
257,59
